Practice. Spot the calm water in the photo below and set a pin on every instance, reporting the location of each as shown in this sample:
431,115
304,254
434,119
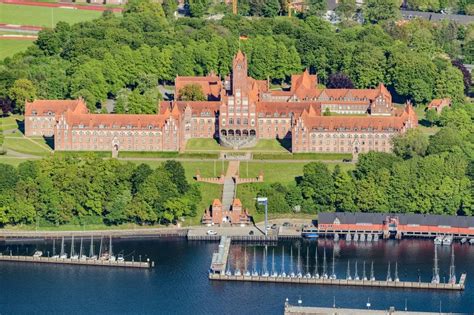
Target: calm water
179,285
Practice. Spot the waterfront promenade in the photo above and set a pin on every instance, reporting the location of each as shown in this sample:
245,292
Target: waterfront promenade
305,310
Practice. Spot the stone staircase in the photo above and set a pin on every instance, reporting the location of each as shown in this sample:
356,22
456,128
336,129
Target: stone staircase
238,142
228,192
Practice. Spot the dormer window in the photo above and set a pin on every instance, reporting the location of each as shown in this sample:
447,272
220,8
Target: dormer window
34,113
50,113
150,127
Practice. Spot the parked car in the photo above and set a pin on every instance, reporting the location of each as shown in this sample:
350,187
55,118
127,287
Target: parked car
274,226
286,224
251,233
211,232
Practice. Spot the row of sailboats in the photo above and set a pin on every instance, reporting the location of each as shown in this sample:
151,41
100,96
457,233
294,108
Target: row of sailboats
73,255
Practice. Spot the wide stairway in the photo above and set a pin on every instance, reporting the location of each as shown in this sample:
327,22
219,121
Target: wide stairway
228,191
237,142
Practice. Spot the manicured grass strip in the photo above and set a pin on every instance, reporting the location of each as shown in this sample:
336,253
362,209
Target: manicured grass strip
168,155
203,145
43,16
303,156
102,154
14,161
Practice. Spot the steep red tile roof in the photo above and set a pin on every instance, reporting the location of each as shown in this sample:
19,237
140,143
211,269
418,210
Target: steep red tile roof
116,121
42,107
211,85
270,108
439,103
197,107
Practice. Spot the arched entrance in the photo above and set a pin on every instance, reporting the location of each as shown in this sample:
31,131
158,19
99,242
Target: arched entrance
245,133
224,132
253,133
230,132
237,133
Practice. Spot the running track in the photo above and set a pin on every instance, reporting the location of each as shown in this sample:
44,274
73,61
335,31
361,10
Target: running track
58,5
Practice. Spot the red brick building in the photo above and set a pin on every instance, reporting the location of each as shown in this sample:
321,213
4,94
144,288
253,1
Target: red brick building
239,110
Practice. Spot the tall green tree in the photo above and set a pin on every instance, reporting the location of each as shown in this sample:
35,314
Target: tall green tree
22,90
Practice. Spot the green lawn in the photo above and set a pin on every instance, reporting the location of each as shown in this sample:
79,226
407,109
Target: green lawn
202,145
280,172
43,16
9,47
26,145
4,159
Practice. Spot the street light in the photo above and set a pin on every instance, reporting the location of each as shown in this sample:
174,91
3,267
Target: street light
264,201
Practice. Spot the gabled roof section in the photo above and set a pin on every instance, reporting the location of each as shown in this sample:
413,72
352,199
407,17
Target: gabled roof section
57,107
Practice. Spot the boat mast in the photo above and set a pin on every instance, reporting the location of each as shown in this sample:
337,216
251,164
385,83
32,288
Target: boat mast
80,249
91,250
283,260
273,261
72,246
100,246
307,260
316,271
452,270
333,273
325,267
265,271
254,262
356,275
54,247
389,276
435,268
348,272
298,266
110,247
291,261
372,276
245,259
364,276
62,246
396,272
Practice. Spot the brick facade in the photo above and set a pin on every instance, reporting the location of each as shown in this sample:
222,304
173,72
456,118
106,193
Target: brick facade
239,110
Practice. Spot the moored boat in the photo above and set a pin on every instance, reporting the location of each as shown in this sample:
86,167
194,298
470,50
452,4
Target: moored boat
310,232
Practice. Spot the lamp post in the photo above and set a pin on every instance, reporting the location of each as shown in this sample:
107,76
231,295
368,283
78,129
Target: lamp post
264,201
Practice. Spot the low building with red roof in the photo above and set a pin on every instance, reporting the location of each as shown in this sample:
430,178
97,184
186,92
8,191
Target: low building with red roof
438,104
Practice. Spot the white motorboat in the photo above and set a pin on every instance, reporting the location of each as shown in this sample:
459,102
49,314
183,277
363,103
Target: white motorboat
38,253
438,240
112,258
448,240
369,237
55,256
63,256
356,237
120,258
75,257
463,240
471,241
237,273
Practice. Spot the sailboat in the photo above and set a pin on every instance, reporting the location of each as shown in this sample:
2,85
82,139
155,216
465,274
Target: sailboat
348,272
283,273
246,272
364,276
356,275
254,263
333,271
298,266
92,256
452,269
308,274
372,276
73,254
292,272
316,271
389,273
54,250
62,255
111,253
265,269
274,273
435,278
325,266
81,256
397,279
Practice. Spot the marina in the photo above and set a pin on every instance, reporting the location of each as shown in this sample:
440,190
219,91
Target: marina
105,257
220,270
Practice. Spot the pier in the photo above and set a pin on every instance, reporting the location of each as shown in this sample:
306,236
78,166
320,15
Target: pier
341,282
219,271
82,262
305,310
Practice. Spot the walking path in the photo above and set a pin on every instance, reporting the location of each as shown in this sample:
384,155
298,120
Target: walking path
228,192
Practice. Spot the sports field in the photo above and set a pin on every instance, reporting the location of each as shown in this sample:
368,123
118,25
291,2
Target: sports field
9,47
43,16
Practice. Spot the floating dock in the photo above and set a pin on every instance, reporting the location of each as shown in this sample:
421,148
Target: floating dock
77,262
341,282
218,271
304,310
